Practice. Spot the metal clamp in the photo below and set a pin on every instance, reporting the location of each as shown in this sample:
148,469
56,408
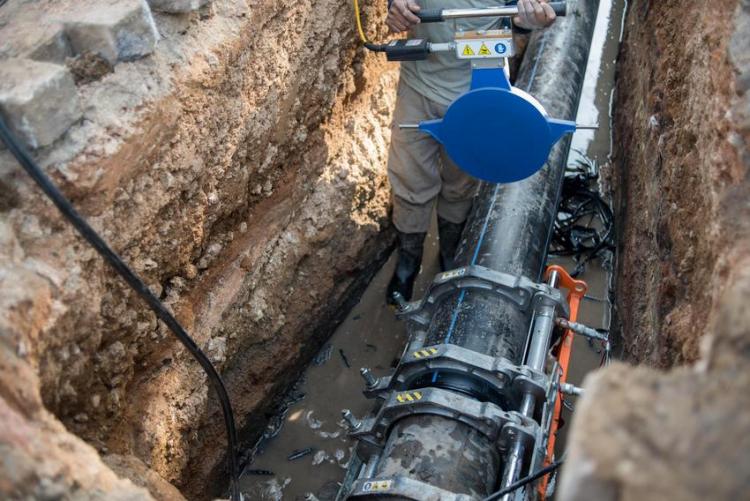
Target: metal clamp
403,488
503,378
519,290
487,418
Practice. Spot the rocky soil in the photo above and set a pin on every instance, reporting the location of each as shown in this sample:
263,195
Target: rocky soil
240,170
682,130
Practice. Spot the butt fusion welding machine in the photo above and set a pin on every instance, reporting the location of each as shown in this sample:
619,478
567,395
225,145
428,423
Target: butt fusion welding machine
522,413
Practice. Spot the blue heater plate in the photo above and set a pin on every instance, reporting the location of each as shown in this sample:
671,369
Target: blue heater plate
497,133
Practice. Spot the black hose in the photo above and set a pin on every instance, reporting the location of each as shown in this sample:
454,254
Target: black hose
524,481
375,47
584,227
116,262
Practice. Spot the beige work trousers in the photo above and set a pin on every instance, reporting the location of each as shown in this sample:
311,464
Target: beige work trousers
421,172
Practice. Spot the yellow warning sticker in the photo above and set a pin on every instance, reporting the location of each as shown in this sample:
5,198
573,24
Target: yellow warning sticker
409,397
427,352
377,485
485,48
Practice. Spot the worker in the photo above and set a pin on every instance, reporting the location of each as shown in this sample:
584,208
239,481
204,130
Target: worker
420,172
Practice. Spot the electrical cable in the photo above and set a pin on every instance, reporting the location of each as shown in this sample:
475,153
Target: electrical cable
362,36
137,284
584,227
524,481
358,17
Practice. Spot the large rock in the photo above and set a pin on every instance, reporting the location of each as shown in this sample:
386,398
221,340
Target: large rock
39,101
118,30
640,434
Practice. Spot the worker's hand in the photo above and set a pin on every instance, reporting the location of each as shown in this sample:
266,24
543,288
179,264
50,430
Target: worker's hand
534,14
401,15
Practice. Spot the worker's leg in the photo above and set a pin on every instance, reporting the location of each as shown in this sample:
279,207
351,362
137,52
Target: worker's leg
413,164
413,170
454,203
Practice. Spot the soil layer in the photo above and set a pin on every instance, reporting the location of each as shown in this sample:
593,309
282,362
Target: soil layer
240,170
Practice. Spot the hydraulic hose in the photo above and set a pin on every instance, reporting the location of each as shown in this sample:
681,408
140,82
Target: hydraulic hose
135,283
362,36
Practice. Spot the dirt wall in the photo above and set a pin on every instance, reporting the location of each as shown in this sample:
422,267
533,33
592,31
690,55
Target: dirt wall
240,170
681,157
676,160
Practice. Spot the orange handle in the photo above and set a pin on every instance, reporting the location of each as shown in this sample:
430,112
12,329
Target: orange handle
576,290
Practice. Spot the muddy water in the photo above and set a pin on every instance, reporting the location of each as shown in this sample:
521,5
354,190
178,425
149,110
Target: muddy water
371,337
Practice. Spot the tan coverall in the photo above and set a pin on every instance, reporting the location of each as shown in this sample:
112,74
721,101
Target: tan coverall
419,170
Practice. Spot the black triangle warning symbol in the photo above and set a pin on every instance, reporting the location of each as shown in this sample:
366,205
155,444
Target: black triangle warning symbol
468,51
484,51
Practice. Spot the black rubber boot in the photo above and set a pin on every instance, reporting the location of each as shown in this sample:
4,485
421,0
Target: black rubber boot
410,250
450,236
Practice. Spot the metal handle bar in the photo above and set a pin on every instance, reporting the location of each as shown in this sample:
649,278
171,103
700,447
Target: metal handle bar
440,15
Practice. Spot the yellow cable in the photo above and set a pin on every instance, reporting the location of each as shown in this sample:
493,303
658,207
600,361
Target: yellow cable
359,22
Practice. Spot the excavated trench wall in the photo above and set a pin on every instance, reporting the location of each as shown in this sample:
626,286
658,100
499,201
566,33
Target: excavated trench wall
239,168
678,426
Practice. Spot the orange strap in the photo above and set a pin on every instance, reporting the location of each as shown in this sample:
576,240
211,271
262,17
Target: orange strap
576,290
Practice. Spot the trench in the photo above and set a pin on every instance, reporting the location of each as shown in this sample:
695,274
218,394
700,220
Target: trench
89,409
305,450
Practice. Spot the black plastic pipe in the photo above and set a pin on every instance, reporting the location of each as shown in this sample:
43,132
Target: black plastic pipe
509,230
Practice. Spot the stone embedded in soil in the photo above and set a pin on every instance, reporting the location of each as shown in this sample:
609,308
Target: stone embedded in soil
38,100
122,30
51,46
177,6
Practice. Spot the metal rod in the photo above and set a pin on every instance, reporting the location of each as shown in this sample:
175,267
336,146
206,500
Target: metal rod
442,47
581,329
571,389
485,12
513,466
560,9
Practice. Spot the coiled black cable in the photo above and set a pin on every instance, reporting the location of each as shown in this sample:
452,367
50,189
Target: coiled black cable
584,227
135,282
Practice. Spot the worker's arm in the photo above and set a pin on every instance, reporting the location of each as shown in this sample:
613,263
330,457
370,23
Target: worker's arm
534,15
401,15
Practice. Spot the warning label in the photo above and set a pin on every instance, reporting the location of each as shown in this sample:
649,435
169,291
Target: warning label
377,486
484,48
